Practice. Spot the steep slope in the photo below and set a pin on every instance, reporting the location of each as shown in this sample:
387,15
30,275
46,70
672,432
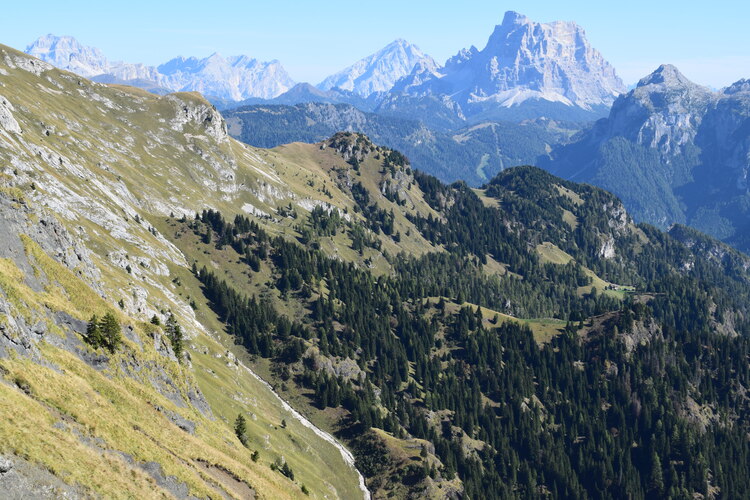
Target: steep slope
87,172
379,71
473,154
527,69
674,151
523,339
428,363
234,78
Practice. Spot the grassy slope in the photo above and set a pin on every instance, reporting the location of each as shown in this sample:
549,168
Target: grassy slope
53,413
113,153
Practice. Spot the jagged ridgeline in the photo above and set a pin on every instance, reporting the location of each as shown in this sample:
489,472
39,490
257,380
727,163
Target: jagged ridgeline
525,339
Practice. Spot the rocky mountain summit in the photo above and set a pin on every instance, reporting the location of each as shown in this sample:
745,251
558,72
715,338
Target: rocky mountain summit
524,63
378,72
663,112
234,78
674,151
65,52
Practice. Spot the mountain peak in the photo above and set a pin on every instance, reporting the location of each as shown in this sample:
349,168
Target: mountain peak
512,17
667,74
740,86
524,59
378,72
65,52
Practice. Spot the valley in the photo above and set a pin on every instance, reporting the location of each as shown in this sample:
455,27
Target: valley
219,283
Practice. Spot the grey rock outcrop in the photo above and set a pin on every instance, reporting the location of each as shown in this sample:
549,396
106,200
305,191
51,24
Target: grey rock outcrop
5,465
7,121
203,115
24,480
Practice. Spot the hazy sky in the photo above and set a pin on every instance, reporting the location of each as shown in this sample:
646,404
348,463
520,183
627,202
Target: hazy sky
710,43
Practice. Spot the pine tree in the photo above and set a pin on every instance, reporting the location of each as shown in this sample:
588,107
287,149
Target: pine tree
110,332
94,333
240,429
656,482
174,332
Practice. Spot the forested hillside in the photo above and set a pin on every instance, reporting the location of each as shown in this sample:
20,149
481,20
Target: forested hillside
525,339
545,346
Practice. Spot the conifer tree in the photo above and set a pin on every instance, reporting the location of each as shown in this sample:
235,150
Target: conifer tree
240,429
174,332
110,332
94,333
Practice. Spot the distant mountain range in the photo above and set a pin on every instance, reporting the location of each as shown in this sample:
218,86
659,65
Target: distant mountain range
234,78
675,152
527,70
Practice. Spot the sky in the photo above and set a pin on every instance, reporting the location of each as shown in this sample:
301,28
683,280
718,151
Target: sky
708,42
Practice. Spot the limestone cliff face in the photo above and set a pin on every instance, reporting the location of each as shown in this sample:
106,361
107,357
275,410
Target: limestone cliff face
725,134
525,60
663,112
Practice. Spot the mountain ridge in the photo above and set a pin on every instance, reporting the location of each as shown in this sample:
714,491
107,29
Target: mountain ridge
526,70
236,78
522,61
378,72
684,143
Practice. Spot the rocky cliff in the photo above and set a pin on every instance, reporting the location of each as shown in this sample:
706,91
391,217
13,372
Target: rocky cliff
524,62
380,71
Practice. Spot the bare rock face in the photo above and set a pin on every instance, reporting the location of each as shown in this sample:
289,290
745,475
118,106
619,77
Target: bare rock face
663,112
66,52
234,78
20,480
202,114
7,121
725,132
526,60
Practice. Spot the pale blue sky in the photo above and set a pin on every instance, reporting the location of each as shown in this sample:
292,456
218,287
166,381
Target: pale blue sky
709,42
